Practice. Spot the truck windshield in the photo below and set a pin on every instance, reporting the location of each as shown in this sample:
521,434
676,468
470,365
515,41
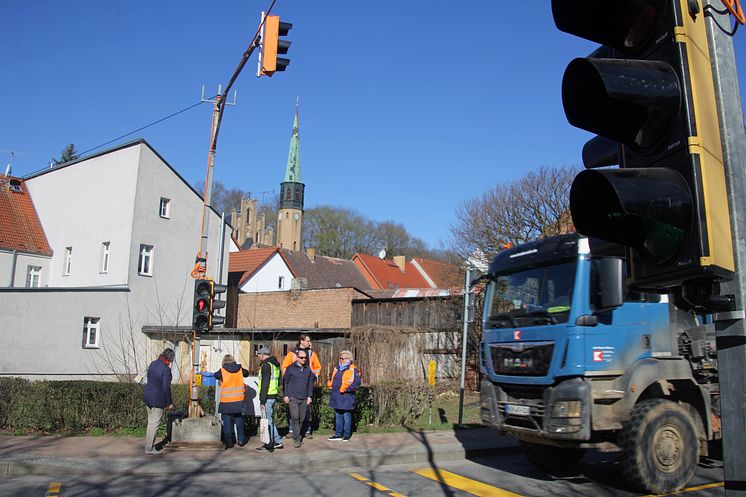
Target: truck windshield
535,296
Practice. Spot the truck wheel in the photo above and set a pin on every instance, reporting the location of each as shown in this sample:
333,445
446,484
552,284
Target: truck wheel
551,458
659,444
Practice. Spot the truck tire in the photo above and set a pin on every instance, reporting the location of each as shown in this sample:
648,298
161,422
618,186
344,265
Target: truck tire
659,447
549,457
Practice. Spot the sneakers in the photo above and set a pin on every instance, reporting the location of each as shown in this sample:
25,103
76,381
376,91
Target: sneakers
279,446
154,452
334,438
346,439
265,448
296,444
308,435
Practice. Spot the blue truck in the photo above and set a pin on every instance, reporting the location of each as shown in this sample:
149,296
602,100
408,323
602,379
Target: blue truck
574,360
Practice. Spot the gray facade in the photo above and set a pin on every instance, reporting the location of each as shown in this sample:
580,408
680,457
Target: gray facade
121,261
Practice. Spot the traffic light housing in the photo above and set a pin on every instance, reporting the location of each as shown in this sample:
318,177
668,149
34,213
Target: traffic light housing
204,316
201,311
272,45
216,304
648,92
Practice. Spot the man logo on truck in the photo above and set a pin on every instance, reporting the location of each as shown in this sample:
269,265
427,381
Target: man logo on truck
516,334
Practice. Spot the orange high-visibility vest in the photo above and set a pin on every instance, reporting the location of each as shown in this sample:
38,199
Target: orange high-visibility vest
232,386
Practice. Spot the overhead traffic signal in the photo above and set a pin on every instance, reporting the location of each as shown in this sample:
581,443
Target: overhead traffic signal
649,93
201,312
272,45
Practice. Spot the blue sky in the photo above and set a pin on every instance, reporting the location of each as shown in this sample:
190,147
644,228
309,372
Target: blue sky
407,108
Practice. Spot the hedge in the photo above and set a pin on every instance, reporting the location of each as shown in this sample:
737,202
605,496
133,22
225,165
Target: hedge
80,406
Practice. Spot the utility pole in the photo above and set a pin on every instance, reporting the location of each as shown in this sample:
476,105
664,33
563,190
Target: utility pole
730,326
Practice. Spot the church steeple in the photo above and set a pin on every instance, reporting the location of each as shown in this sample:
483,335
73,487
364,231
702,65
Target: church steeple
292,170
292,191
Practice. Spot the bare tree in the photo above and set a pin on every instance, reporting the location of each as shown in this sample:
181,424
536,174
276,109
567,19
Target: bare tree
529,208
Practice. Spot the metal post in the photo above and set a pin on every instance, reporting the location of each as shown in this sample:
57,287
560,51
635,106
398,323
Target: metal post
731,333
467,279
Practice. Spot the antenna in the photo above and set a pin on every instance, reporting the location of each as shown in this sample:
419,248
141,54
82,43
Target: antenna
8,167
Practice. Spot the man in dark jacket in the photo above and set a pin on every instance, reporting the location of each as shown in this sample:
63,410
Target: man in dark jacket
297,388
157,396
269,389
232,394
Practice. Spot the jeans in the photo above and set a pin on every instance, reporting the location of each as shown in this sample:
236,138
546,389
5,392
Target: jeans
229,420
342,423
298,410
268,412
154,419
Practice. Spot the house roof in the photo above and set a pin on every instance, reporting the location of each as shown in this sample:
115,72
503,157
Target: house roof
385,274
325,272
20,228
248,262
135,142
442,274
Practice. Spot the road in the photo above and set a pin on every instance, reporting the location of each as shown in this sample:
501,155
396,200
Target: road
504,475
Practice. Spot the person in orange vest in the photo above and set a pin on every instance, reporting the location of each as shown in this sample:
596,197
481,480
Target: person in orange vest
304,343
231,405
342,385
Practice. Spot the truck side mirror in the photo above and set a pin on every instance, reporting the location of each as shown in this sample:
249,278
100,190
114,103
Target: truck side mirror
607,290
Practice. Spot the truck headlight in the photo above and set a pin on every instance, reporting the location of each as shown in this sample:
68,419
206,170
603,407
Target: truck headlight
567,409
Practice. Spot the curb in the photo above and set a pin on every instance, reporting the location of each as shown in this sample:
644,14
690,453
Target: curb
30,465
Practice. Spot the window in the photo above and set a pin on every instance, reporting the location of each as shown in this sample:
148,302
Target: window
165,208
90,333
280,281
105,257
68,261
33,275
145,262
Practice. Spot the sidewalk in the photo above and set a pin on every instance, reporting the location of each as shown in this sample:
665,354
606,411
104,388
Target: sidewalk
53,455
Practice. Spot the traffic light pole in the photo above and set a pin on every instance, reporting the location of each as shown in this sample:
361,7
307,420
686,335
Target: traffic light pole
731,327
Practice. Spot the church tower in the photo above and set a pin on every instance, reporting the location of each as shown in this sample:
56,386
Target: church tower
290,215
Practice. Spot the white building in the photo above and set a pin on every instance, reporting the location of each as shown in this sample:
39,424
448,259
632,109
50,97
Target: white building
124,229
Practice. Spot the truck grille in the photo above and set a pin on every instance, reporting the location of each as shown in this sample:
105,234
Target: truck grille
533,397
522,358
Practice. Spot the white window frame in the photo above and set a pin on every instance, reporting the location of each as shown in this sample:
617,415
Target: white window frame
68,261
165,208
33,276
105,254
145,260
91,326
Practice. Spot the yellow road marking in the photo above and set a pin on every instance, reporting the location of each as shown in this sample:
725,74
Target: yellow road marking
691,489
54,488
466,484
375,485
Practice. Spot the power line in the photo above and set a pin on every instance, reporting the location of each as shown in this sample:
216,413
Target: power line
140,128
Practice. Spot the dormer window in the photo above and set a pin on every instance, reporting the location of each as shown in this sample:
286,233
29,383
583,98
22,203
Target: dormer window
15,186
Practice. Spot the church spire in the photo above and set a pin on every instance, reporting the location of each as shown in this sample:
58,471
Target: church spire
292,170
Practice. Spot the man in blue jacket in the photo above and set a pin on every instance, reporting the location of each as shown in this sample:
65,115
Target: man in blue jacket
297,386
157,396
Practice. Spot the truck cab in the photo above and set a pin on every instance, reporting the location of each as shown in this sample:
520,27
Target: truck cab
574,360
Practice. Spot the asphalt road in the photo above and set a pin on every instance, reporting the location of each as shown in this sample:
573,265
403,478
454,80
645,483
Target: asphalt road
505,475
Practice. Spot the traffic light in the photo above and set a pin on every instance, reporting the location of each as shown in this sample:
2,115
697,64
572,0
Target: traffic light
648,92
272,45
201,312
216,289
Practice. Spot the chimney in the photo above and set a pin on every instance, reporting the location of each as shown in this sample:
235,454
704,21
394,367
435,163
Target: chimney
311,254
400,261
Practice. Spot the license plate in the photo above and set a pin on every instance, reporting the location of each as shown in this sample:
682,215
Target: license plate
517,410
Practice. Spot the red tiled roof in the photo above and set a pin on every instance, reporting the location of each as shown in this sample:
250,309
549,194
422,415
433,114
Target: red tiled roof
444,275
325,272
249,261
385,274
20,228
